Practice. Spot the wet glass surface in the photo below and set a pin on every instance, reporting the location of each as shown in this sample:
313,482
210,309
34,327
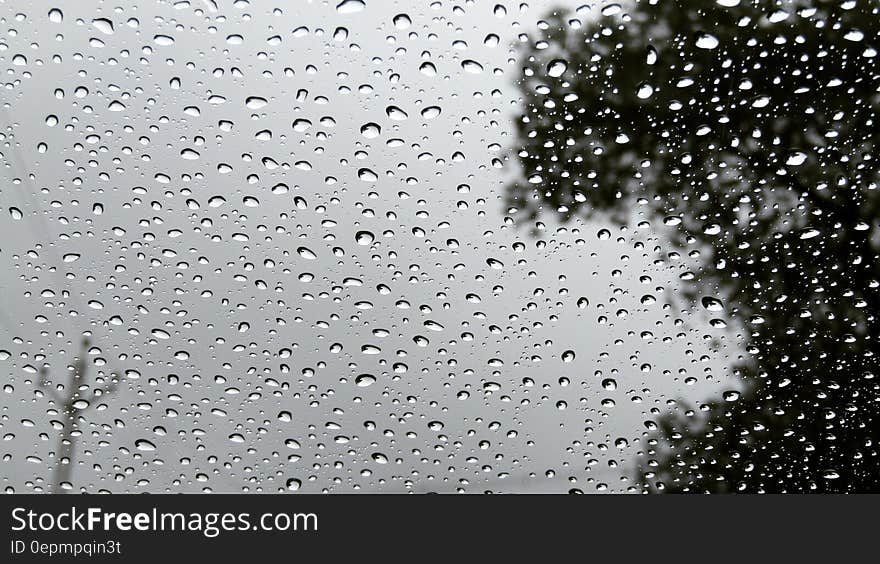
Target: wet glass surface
466,246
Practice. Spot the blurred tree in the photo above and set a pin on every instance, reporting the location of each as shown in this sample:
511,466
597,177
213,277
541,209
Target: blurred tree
749,128
73,400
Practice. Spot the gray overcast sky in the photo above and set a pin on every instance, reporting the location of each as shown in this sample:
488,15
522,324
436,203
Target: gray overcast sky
196,179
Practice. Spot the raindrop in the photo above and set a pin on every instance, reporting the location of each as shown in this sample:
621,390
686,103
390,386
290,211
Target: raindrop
402,21
431,112
255,102
365,380
495,263
706,41
350,6
103,25
396,113
712,304
371,130
300,125
364,237
611,9
557,67
471,66
144,445
306,253
796,158
731,395
367,175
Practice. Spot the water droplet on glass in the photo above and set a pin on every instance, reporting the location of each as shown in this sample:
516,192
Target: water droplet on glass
712,304
396,113
402,21
706,41
365,380
364,237
471,66
557,67
731,395
306,253
350,6
144,445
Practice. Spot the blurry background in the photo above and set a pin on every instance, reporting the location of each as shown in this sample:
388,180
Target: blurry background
323,251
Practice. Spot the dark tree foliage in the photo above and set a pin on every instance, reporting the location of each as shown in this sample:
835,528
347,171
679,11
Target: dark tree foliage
751,132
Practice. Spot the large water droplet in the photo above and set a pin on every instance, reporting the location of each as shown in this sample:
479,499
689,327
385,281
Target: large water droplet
557,67
350,6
